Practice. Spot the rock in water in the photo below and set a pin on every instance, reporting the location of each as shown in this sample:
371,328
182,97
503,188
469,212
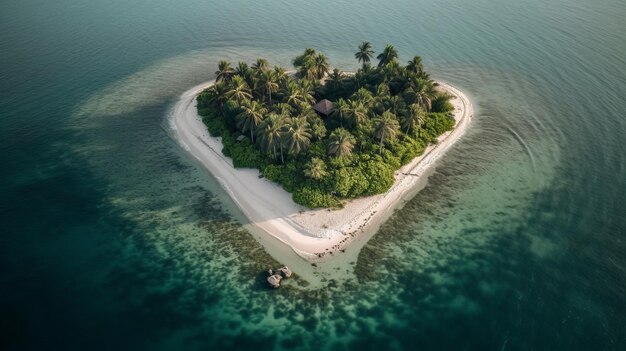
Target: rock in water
274,280
286,271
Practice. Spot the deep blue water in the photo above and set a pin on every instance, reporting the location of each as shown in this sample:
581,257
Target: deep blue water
114,238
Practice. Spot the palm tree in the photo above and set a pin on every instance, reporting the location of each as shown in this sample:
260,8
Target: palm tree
297,135
307,65
389,54
385,126
363,95
340,143
342,110
281,74
224,71
322,67
270,133
395,104
415,119
335,80
424,93
250,117
400,80
296,94
282,108
365,52
268,84
239,89
383,91
316,169
306,90
216,95
390,71
299,61
292,93
415,65
246,73
357,113
261,65
242,69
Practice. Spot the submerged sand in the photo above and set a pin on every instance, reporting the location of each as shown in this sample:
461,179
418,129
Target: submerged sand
312,234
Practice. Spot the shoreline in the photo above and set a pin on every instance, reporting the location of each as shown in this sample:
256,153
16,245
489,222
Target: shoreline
312,234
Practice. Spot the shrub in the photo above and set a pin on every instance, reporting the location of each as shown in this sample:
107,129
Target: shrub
436,124
442,104
314,198
215,125
341,181
379,175
286,175
407,149
359,182
245,155
390,159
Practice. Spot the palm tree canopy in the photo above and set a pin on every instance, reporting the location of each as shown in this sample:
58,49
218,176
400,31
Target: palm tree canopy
216,95
389,54
297,94
340,143
224,71
299,60
414,119
357,112
386,126
283,108
308,64
365,52
270,132
268,84
322,67
250,117
242,69
315,169
341,111
297,135
335,79
363,95
415,65
239,89
424,92
261,64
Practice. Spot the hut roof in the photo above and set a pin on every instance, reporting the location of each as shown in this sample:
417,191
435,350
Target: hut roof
324,107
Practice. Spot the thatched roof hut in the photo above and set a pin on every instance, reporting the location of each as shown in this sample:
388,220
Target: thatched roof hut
324,107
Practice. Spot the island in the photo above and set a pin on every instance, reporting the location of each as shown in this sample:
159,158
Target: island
315,156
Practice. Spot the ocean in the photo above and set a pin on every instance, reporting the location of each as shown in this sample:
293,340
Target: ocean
114,237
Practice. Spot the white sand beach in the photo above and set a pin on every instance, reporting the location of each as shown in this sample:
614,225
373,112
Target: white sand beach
312,234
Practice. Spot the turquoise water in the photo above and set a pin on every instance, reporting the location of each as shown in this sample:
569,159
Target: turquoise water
114,238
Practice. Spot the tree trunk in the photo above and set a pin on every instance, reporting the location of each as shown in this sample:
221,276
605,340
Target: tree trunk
270,94
382,137
252,134
282,160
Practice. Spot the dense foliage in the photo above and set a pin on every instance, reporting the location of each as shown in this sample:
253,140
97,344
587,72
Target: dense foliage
382,118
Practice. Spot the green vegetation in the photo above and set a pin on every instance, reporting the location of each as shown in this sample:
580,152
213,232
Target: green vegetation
380,119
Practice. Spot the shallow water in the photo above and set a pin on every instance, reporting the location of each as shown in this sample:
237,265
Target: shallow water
114,237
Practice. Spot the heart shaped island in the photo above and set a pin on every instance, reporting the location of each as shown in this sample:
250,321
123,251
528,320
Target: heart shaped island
317,157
